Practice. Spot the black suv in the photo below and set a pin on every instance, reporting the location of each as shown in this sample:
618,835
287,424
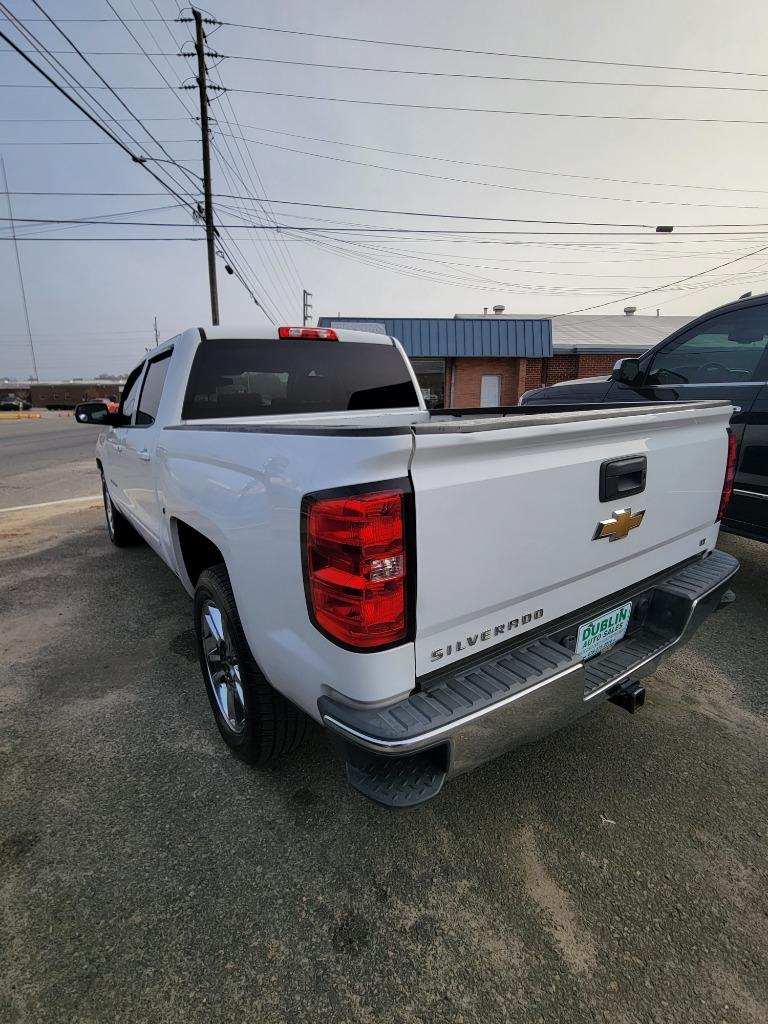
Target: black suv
720,355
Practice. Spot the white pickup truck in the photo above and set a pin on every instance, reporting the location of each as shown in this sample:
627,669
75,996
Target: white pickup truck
434,588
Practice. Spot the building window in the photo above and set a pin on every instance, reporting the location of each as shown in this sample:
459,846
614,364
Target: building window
490,390
430,374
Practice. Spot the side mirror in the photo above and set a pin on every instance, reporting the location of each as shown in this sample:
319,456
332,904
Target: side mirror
626,371
97,412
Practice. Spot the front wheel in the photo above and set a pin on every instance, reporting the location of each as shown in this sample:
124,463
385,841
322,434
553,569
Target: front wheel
256,722
120,531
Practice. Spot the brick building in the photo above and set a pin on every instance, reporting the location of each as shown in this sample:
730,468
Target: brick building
588,346
60,394
471,361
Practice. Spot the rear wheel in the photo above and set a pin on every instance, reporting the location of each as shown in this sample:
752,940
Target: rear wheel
120,531
256,722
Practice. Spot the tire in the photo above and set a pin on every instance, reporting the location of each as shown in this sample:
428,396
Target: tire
256,722
119,530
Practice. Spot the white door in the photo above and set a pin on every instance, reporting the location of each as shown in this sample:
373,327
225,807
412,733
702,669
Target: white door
139,483
490,390
114,464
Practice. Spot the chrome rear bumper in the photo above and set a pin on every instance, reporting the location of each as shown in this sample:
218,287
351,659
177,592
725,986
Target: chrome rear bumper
400,755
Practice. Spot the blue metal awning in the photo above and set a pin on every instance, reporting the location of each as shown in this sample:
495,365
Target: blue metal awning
437,337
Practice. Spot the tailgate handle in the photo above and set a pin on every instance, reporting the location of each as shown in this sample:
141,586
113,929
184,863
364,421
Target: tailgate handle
621,478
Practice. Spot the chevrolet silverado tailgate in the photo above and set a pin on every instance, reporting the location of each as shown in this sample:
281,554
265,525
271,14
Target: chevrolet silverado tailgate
509,514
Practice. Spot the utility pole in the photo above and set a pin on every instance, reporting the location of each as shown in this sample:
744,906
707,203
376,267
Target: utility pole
210,231
18,267
307,304
157,336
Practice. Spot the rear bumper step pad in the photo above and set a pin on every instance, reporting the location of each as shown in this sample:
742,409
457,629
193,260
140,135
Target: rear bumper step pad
401,754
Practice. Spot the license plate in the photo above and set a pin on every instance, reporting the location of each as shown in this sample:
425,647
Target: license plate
604,631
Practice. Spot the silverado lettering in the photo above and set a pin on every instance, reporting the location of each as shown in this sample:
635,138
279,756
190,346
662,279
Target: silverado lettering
485,636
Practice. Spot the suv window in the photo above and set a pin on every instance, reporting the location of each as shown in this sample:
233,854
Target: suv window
152,390
268,378
131,391
725,350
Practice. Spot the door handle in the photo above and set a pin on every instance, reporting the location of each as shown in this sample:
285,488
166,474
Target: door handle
144,455
621,478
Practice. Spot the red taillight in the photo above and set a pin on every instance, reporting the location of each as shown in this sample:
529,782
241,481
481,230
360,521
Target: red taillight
318,333
356,567
730,473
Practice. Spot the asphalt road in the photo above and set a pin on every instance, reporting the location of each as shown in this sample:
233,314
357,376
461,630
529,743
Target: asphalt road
46,460
615,872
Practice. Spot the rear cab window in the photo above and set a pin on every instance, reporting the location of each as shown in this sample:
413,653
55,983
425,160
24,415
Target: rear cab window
152,390
131,392
270,378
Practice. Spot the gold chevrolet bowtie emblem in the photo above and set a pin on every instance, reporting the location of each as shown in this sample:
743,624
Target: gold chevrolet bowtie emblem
619,526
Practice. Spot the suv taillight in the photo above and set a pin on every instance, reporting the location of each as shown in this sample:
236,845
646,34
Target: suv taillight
355,567
730,473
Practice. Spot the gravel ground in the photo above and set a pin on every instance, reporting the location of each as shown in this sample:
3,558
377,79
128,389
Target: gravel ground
615,872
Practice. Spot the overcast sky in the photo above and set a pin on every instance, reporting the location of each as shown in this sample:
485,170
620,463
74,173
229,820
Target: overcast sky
92,303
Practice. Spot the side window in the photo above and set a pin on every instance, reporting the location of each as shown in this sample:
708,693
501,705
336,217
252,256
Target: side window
152,390
725,350
131,392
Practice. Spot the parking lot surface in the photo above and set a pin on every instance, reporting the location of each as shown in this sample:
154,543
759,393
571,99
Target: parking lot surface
613,872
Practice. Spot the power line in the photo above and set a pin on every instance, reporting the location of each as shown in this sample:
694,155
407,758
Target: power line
129,238
276,268
490,78
505,220
103,218
749,275
141,160
88,21
494,184
414,173
112,90
697,228
651,291
94,105
453,280
103,53
283,253
432,74
227,170
133,36
501,167
422,156
225,173
423,46
84,88
398,231
495,110
213,234
484,53
97,142
386,254
18,268
79,105
421,274
424,106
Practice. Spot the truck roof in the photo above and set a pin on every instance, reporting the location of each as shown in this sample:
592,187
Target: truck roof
224,333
